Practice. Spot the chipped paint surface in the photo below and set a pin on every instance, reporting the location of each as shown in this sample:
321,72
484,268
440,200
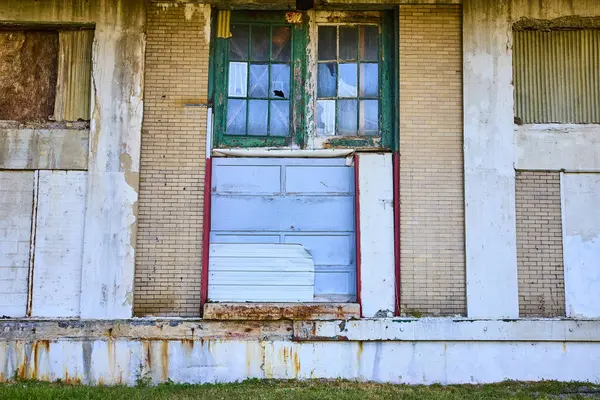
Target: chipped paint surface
280,311
399,359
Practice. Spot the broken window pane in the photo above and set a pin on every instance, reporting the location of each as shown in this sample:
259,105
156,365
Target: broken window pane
280,118
236,117
348,118
259,80
282,43
238,43
369,117
260,43
327,80
325,117
348,43
327,43
258,115
280,81
369,43
347,80
238,79
369,80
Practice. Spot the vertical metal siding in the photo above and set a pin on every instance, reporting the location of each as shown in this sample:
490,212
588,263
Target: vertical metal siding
74,75
557,76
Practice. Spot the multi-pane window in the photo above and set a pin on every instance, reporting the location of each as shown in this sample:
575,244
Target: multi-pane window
290,80
348,80
258,93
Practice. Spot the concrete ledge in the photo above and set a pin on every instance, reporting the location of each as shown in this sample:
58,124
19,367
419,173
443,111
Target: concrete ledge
444,329
280,311
142,329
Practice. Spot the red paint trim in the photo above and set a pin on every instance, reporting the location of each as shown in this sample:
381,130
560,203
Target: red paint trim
396,197
357,230
206,233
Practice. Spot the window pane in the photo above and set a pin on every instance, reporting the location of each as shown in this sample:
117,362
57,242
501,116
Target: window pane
238,43
327,80
369,43
259,45
326,117
369,80
347,78
280,81
259,80
369,117
238,79
282,43
348,43
258,114
280,118
347,119
236,117
327,43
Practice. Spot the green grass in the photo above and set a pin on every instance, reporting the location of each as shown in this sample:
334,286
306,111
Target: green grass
321,390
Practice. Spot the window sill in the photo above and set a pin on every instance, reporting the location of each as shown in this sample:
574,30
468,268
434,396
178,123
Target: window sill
280,311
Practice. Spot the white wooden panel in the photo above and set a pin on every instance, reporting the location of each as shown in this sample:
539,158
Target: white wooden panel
581,241
16,209
260,272
377,234
59,243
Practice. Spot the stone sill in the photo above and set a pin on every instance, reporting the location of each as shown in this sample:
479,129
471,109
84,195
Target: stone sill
280,311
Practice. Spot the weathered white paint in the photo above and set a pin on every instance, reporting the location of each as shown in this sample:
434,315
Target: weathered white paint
489,155
114,142
572,148
581,242
376,197
280,153
59,243
241,272
489,147
124,362
44,148
16,206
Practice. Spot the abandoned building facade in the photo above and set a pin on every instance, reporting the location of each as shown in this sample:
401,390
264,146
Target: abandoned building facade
211,191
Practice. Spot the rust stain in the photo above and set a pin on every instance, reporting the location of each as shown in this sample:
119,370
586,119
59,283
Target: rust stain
164,355
71,380
276,312
111,355
148,350
564,347
22,370
2,378
359,353
188,345
38,345
296,361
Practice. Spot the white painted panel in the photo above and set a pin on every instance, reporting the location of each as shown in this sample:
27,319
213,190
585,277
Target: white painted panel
260,272
59,243
16,209
250,179
581,237
376,199
558,147
313,179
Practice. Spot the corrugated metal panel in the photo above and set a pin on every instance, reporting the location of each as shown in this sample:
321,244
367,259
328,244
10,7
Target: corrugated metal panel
260,272
74,75
557,76
293,201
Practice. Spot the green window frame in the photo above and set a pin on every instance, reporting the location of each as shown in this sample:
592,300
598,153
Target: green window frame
259,122
304,98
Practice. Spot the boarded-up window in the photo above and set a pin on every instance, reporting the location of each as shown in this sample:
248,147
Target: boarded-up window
28,61
557,76
45,75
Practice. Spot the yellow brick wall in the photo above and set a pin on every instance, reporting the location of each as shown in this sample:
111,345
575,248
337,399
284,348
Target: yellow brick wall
539,245
169,244
431,148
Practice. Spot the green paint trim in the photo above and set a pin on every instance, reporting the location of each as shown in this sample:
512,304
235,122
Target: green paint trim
396,98
388,103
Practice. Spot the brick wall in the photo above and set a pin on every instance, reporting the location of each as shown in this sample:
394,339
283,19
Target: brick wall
431,147
539,245
169,244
